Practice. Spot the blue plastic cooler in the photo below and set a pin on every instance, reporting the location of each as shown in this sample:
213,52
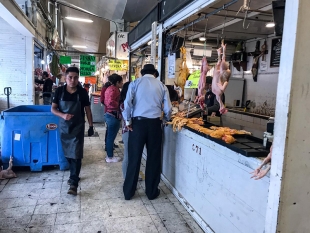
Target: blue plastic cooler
30,134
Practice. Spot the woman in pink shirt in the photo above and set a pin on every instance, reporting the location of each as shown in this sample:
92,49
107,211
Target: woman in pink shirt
113,115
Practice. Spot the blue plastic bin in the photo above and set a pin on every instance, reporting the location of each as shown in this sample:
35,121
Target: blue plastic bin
30,134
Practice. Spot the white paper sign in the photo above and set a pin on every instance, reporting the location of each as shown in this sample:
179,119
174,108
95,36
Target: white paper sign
188,84
263,66
110,46
203,52
122,51
17,137
171,65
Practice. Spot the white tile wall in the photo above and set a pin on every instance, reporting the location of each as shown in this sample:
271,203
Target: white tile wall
257,121
15,57
245,120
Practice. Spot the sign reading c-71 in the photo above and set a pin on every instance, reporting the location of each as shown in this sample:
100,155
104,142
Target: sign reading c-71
87,65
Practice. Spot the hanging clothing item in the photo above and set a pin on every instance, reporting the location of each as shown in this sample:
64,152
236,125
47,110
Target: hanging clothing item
72,131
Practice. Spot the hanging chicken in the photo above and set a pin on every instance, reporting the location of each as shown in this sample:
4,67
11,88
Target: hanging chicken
184,72
263,50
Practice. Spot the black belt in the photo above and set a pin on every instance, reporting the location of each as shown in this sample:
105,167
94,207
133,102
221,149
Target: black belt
140,118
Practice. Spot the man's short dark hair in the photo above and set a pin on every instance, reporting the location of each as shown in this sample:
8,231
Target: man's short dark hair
45,74
72,69
209,79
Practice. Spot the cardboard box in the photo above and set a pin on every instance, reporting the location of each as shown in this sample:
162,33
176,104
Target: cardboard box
214,119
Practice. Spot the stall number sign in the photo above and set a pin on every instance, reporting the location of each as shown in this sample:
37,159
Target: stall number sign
193,80
118,65
65,60
87,65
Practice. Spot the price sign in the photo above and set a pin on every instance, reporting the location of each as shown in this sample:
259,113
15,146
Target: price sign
118,65
193,80
275,52
87,65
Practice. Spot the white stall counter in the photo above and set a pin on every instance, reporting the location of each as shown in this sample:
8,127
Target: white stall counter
213,183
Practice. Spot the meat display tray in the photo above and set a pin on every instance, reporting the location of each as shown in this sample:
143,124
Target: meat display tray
246,145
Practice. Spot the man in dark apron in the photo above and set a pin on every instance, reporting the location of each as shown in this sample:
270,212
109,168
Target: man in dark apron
209,99
69,103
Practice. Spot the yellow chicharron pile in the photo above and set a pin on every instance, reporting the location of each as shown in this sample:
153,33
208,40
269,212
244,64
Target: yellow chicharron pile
223,133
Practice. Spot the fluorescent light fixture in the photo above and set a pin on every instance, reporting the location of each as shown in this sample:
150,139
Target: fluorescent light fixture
80,19
270,25
202,38
150,42
79,46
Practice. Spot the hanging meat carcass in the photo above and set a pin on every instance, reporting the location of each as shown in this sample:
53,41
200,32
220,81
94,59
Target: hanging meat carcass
202,81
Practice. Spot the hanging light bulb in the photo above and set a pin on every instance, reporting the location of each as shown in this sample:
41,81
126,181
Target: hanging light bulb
202,38
270,25
42,62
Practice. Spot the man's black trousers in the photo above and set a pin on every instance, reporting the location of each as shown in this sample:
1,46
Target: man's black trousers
145,132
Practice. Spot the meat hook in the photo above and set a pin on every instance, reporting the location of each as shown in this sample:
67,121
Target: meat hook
245,8
245,17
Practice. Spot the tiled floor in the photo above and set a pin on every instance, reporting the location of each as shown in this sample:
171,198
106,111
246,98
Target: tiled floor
38,202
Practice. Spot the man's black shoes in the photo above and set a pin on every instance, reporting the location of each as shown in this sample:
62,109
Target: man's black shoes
72,190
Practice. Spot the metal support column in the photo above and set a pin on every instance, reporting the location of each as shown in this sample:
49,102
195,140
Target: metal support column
153,44
160,56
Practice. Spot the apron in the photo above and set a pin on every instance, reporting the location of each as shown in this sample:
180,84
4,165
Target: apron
72,131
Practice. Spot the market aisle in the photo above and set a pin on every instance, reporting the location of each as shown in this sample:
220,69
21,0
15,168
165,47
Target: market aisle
38,202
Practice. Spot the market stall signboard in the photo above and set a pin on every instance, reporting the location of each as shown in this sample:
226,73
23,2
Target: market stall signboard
193,80
87,65
118,65
65,60
275,56
91,80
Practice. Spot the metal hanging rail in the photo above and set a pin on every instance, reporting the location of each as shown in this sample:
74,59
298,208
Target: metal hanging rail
239,17
205,16
251,10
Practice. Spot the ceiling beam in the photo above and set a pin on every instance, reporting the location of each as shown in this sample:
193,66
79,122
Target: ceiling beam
201,34
76,51
234,21
205,16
